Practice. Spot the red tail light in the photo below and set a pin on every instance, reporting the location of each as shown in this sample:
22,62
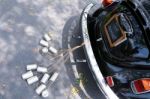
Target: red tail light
110,81
107,2
141,86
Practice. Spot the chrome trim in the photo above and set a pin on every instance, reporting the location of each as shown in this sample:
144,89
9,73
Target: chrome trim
109,94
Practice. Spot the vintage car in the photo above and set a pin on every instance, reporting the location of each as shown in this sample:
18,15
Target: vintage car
117,46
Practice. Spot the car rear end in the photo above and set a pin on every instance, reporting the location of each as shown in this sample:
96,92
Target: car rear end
117,64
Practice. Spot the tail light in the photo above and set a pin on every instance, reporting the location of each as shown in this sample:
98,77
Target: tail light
107,2
110,81
141,86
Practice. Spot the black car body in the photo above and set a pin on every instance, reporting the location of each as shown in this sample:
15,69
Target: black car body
117,44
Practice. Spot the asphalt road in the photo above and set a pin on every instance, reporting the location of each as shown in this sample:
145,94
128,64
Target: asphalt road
23,24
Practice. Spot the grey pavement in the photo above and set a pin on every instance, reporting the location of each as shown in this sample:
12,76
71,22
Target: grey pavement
23,23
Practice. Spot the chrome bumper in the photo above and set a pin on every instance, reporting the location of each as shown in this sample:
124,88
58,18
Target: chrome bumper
109,94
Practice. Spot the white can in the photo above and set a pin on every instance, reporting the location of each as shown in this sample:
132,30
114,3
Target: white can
40,88
44,43
32,80
27,75
53,50
42,69
45,78
45,94
32,67
45,50
47,37
54,77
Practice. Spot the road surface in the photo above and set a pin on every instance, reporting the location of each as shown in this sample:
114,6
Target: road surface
23,24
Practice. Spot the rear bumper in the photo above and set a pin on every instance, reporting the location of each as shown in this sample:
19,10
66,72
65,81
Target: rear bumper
107,91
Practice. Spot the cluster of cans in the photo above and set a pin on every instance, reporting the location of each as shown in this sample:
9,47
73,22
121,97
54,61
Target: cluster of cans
45,43
46,79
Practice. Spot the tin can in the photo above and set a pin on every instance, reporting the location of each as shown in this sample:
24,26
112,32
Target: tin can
53,50
42,69
27,75
44,43
40,88
45,50
47,37
32,80
45,78
45,93
54,77
32,67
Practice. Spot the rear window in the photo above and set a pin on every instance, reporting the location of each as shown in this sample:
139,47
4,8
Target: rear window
114,31
133,44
